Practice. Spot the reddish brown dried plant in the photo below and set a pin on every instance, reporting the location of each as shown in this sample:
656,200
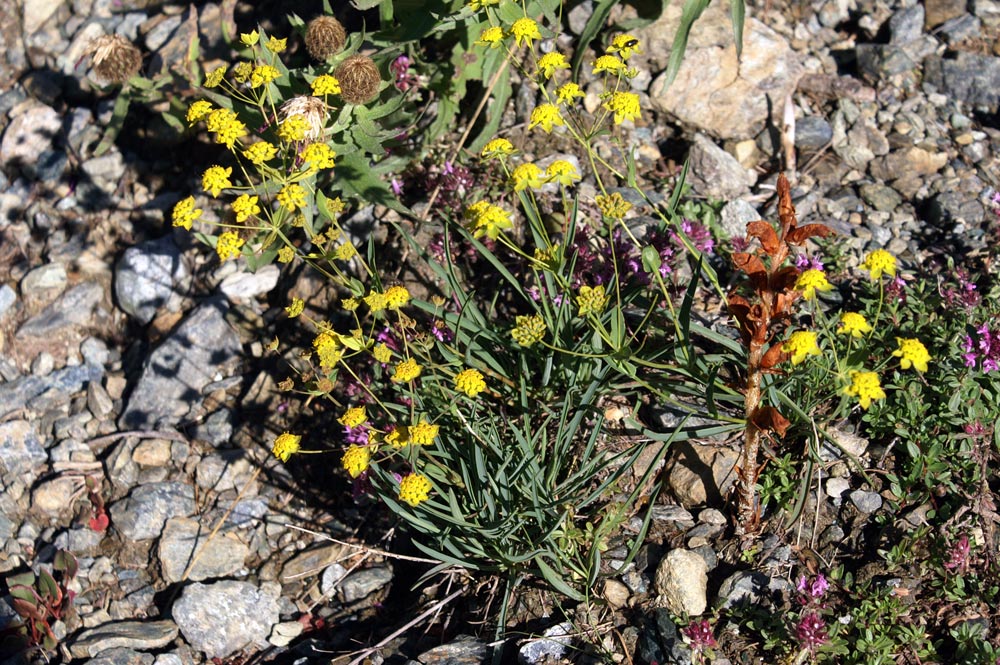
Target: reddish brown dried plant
762,318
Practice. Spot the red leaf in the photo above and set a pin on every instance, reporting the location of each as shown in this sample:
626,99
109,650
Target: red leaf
765,233
99,522
799,235
773,356
769,418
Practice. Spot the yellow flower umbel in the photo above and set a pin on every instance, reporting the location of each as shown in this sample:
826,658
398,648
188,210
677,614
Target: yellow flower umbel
801,344
878,262
414,489
228,245
215,77
853,324
292,197
297,306
624,46
226,126
398,437
866,387
396,297
550,62
245,206
524,30
328,349
492,37
525,176
382,353
356,460
285,446
591,300
562,172
529,329
912,352
614,206
353,417
487,220
568,92
423,433
608,64
185,213
215,179
470,382
198,110
406,371
324,84
625,106
546,116
260,152
318,156
498,148
286,254
811,281
262,75
375,301
275,45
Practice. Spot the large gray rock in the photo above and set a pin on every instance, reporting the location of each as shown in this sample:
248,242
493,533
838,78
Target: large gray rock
29,135
717,174
21,451
973,79
203,349
137,635
186,540
222,618
147,276
142,514
714,92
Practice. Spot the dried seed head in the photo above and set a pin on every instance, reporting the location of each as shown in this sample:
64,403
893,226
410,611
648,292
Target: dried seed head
324,37
359,79
114,58
311,109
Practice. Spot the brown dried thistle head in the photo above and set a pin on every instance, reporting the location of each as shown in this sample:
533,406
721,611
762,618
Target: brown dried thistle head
114,58
325,36
311,109
359,79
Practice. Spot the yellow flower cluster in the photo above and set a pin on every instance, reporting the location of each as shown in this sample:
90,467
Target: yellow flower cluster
324,85
228,245
568,92
185,213
285,446
353,417
262,75
550,62
396,297
406,371
866,387
853,324
497,148
318,156
292,197
245,206
878,262
293,128
801,344
260,152
912,353
591,300
295,308
524,30
414,489
423,433
487,220
215,179
226,126
328,349
356,460
529,330
811,281
545,116
625,106
470,382
198,110
382,353
614,205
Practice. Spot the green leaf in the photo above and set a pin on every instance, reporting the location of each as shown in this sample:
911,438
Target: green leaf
598,19
115,124
556,580
357,177
737,10
692,10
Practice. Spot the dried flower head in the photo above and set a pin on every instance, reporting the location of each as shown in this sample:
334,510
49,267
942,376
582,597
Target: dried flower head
310,109
114,58
359,79
325,36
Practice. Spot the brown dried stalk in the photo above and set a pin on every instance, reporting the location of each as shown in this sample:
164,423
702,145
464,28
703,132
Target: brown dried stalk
761,319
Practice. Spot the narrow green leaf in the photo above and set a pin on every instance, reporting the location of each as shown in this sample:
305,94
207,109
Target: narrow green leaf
737,10
598,19
692,10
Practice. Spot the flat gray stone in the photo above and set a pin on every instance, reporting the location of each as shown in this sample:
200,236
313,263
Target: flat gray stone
203,347
185,540
63,383
21,451
147,276
143,514
73,309
136,635
222,618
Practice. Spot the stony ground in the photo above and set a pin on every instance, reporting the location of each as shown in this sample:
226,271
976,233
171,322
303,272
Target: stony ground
129,358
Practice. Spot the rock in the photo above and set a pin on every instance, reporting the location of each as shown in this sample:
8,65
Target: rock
735,216
122,656
961,28
329,581
244,284
283,633
950,207
682,583
203,347
812,133
106,171
54,496
861,143
616,593
939,11
701,473
37,12
464,650
226,470
222,618
73,309
900,163
28,136
98,400
866,502
43,392
137,635
7,299
185,540
906,24
987,11
143,514
968,77
553,646
362,583
21,452
49,277
81,541
660,641
880,197
311,562
715,173
844,442
743,589
152,452
835,488
147,276
713,92
217,429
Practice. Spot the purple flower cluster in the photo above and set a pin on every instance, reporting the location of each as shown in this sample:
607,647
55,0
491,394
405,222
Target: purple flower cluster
699,235
400,69
455,182
983,351
811,630
699,636
958,555
961,293
811,627
804,262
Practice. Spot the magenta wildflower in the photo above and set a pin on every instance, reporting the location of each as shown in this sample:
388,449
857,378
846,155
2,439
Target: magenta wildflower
958,555
811,630
397,186
815,589
804,262
699,634
400,68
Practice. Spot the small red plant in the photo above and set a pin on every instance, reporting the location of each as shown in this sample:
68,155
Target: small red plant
99,520
761,318
41,600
